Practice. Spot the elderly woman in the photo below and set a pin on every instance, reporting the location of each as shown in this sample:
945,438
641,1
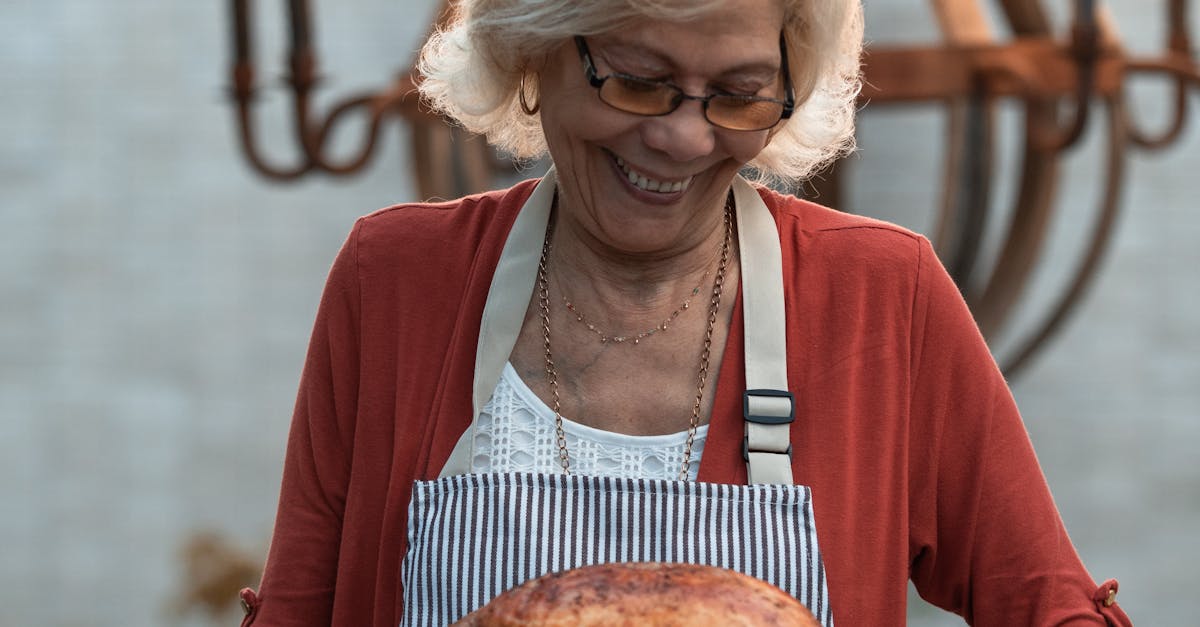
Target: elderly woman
642,356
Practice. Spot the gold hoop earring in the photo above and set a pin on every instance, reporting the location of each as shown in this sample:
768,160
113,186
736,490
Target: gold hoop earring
525,103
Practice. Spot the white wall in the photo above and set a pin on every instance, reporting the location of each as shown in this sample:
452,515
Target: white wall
156,298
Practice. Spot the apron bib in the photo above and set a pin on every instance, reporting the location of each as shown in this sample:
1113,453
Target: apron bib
475,536
471,536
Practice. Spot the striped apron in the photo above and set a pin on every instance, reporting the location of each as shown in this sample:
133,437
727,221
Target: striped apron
472,536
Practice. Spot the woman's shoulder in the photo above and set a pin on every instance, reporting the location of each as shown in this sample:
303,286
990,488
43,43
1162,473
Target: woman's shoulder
456,220
813,217
439,237
432,247
843,238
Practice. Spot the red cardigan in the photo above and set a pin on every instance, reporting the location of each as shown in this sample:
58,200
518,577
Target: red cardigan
906,432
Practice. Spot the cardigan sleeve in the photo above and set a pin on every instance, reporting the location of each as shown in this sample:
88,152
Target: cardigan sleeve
297,586
986,540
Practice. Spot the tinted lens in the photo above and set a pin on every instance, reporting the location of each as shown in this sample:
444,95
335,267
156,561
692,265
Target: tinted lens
633,95
741,113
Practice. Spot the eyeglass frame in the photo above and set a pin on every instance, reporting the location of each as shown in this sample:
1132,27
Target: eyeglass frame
597,81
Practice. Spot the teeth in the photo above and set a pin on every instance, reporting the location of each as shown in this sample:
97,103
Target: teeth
651,185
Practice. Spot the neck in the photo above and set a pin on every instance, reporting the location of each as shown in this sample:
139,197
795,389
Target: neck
616,283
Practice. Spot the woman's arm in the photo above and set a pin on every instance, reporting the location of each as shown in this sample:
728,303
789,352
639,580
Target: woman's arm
298,582
987,541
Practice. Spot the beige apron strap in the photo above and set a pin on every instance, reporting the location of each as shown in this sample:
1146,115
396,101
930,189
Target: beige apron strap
504,312
767,405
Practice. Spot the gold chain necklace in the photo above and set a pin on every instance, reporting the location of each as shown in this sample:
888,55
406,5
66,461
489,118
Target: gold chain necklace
701,375
634,339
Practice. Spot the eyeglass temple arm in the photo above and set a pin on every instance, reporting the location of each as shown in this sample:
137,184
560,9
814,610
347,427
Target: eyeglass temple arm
589,67
789,102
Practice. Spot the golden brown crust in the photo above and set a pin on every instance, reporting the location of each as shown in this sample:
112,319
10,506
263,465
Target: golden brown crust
643,594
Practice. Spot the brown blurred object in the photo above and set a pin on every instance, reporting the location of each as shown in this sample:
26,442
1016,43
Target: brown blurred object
449,162
1063,82
214,570
643,594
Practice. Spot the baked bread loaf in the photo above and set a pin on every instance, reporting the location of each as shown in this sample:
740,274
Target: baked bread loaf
646,593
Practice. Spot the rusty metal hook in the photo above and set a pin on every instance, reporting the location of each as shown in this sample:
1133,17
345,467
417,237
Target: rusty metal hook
311,133
1085,48
1180,65
1109,211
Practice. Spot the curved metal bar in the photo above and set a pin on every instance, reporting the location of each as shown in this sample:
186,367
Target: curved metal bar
966,204
1027,228
968,157
478,164
1140,137
1034,202
1085,46
944,236
243,92
469,168
450,162
1174,65
377,106
1177,23
432,148
303,79
1178,64
1026,17
1101,237
242,75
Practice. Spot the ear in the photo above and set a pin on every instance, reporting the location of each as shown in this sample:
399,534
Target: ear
537,63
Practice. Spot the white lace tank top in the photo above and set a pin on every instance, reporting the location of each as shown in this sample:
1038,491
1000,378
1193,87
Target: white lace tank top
515,433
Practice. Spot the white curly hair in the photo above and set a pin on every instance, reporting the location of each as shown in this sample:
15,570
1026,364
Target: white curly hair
472,70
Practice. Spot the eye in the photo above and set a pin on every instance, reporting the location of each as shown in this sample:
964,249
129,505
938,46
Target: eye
631,83
737,101
743,90
735,98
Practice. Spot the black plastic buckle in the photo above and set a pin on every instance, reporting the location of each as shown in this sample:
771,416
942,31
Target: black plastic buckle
766,420
746,450
769,420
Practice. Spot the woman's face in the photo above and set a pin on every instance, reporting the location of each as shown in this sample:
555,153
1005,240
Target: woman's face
595,147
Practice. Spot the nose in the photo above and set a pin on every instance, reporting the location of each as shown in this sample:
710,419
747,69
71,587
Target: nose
684,134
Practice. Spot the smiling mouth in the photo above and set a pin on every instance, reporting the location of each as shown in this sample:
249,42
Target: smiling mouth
646,183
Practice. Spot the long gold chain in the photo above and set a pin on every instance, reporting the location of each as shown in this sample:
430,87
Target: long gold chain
543,285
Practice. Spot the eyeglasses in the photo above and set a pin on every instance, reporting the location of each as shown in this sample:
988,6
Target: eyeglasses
641,96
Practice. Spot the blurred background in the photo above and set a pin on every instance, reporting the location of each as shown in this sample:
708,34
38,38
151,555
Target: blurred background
156,297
